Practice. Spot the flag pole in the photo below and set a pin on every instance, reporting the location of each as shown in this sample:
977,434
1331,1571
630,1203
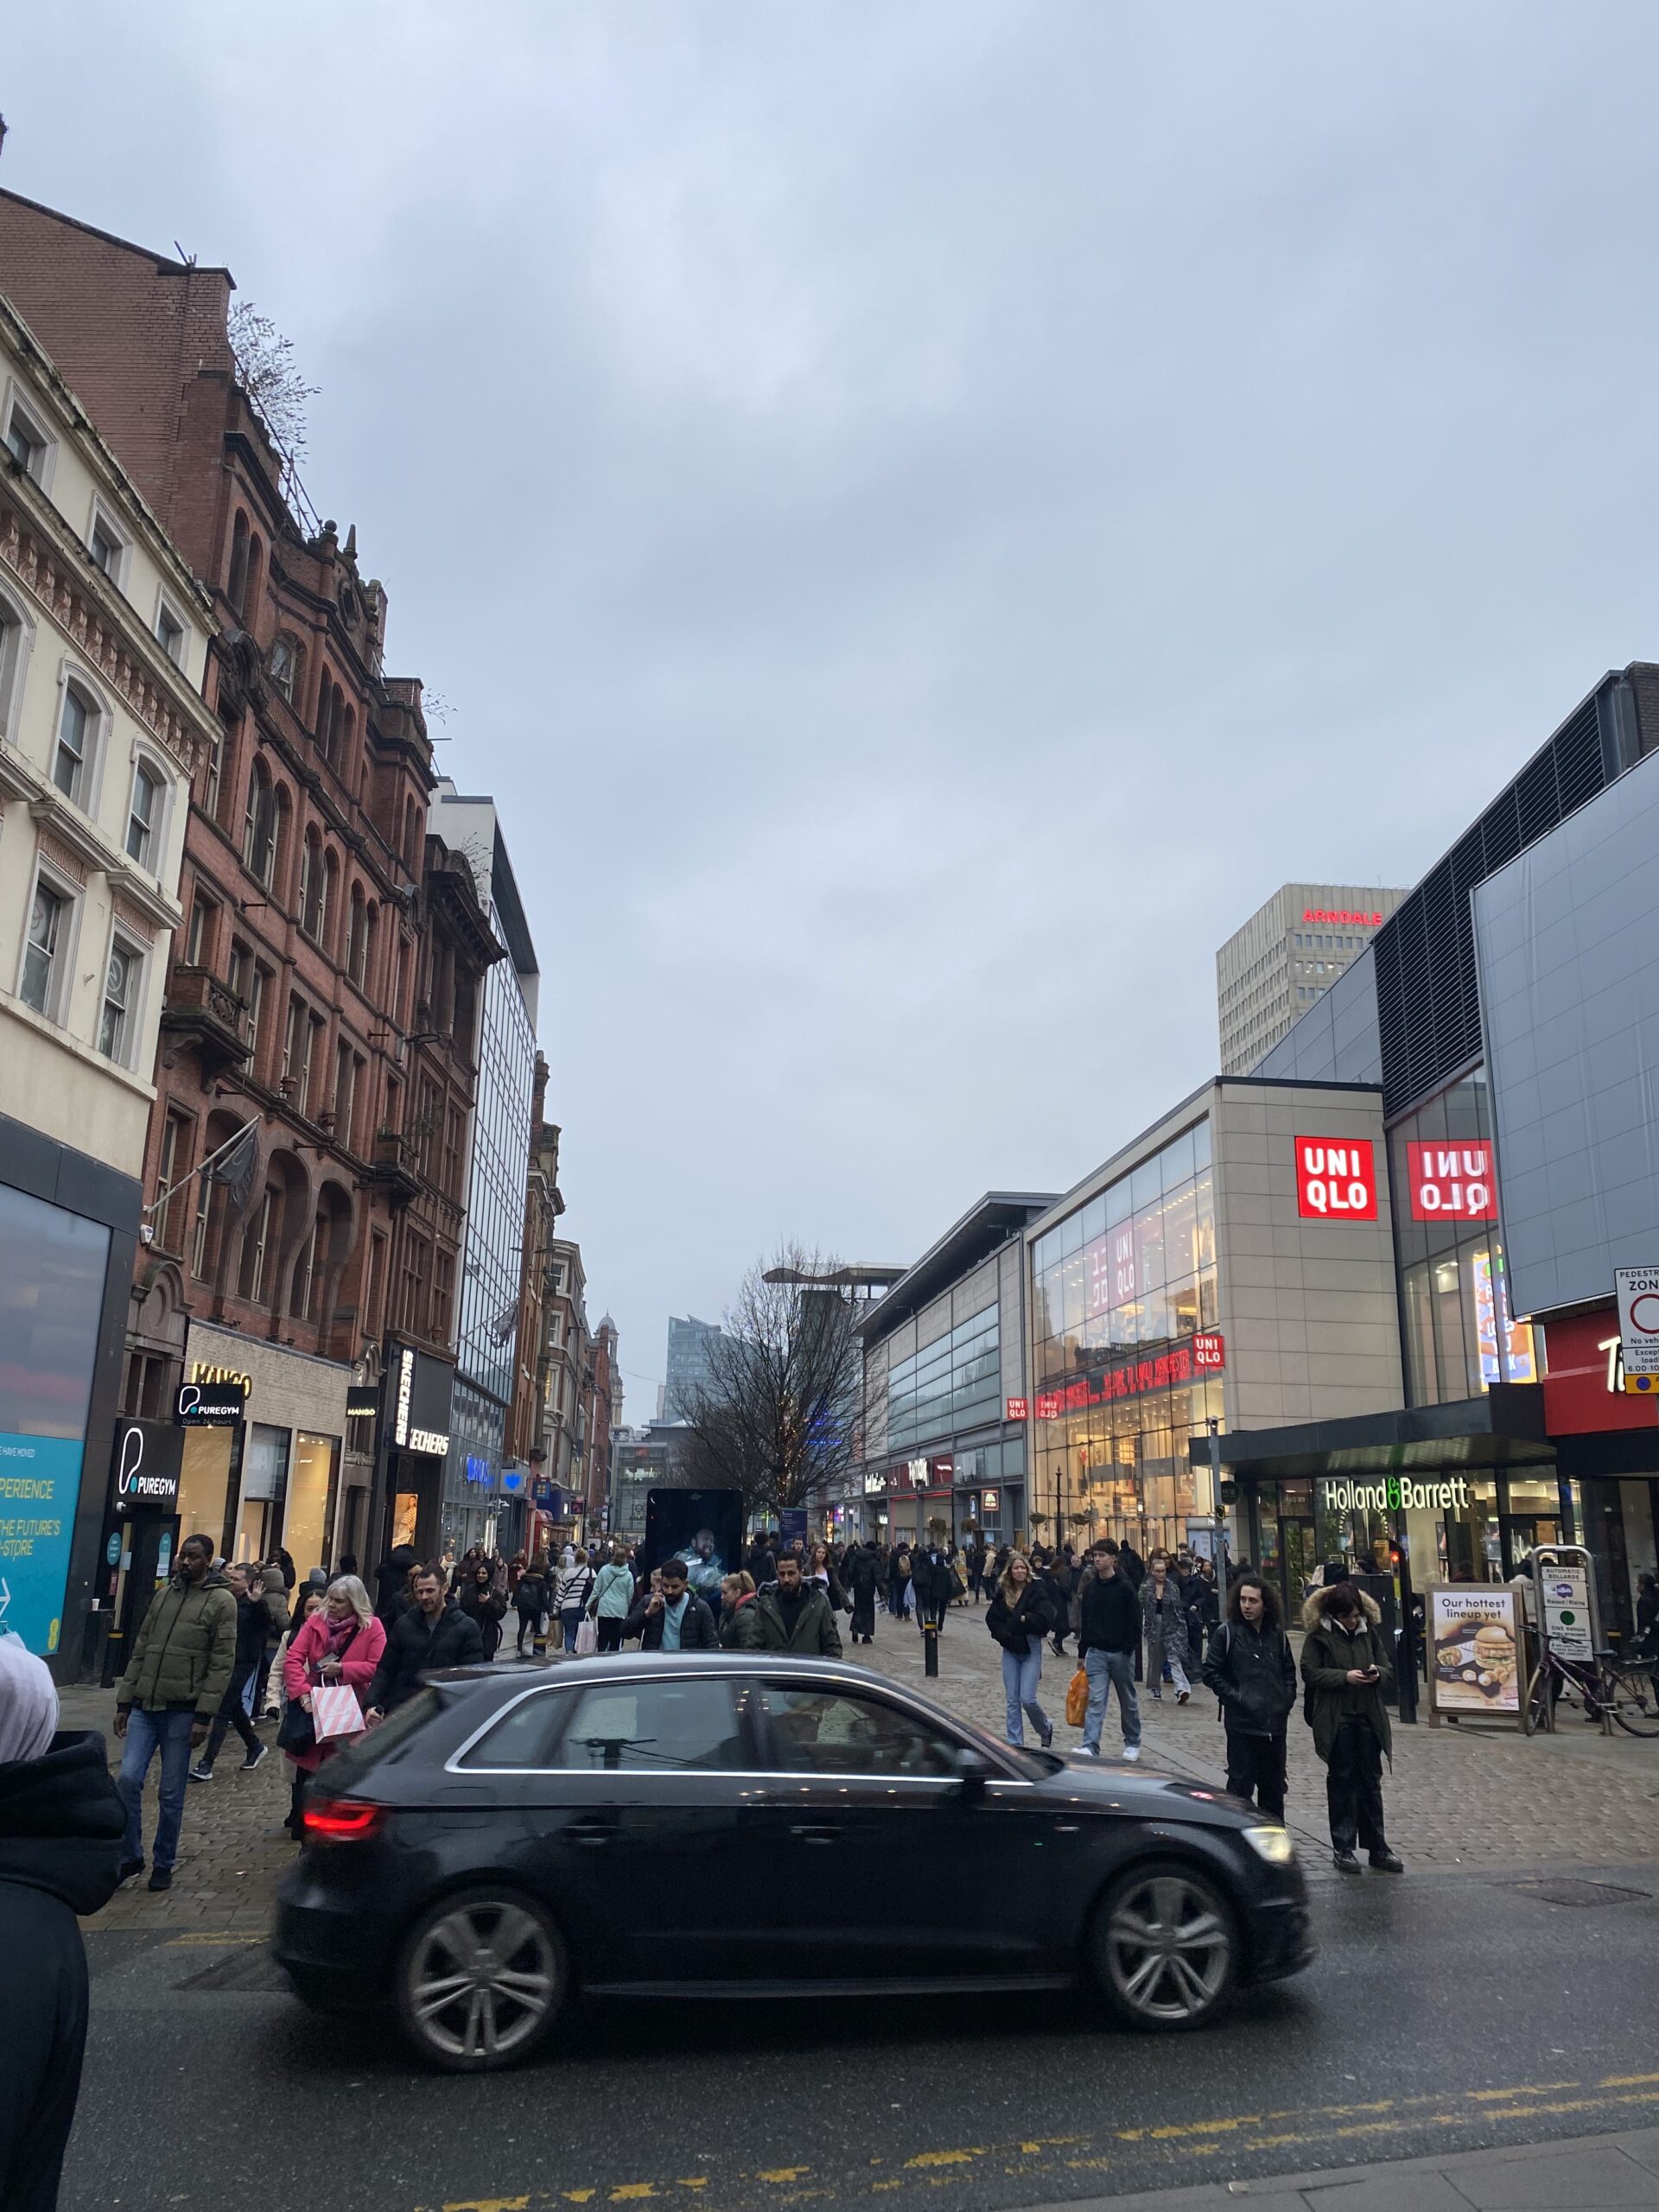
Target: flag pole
201,1167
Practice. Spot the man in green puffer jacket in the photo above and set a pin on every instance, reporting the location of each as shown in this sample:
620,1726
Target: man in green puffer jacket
178,1674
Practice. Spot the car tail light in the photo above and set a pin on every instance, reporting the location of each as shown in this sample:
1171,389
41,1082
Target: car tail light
343,1819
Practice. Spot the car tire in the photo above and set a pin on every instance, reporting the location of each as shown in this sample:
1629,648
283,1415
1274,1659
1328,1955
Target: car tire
481,1980
1166,1949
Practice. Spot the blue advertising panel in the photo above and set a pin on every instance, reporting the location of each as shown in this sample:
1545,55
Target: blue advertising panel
51,1305
40,1482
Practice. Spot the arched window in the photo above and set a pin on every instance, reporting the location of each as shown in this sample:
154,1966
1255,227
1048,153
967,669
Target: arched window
330,899
15,633
326,694
74,752
281,863
249,608
411,836
312,890
357,937
259,827
237,589
285,667
146,813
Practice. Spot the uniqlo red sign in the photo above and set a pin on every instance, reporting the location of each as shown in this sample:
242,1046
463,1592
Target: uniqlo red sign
1336,1179
1209,1351
1452,1179
1017,1409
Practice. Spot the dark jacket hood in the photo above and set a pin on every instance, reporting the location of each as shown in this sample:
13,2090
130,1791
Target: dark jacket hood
61,1823
1313,1609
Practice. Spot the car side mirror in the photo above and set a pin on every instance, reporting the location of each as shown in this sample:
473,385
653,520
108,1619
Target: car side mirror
973,1772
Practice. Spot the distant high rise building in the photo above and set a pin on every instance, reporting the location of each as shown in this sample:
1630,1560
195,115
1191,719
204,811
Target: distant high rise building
1288,954
689,1343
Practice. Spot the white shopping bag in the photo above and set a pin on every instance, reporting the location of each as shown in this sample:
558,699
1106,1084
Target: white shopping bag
335,1711
587,1637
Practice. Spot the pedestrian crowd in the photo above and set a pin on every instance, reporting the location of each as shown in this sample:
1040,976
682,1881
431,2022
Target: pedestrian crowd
231,1648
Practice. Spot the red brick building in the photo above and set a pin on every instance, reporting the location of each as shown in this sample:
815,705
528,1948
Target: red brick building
327,983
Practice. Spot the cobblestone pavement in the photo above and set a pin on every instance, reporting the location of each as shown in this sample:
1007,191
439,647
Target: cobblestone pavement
1459,1799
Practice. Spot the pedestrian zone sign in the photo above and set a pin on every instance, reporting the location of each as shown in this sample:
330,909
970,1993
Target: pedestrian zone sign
1639,1326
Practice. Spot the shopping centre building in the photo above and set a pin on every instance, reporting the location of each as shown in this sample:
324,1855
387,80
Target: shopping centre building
1380,1262
1508,1016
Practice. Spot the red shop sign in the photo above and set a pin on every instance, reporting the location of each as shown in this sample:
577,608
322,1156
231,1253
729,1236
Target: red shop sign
1199,1355
1336,1180
1017,1410
1452,1179
1584,1390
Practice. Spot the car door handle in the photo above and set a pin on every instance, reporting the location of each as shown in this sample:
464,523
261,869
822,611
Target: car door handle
590,1832
814,1832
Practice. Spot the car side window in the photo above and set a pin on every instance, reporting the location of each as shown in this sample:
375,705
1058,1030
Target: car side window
653,1727
527,1735
828,1731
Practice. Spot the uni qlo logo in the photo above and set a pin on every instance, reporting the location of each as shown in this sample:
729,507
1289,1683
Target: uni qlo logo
1017,1409
1209,1351
1452,1179
1336,1180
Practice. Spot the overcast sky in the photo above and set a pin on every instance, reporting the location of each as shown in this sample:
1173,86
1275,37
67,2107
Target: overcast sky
925,512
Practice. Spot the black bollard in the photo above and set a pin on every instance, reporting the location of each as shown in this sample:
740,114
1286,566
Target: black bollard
931,1648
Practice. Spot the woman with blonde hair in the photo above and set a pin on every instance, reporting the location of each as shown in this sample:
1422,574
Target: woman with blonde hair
342,1643
739,1623
1019,1618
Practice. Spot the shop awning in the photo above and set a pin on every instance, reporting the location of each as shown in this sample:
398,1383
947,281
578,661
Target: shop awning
1505,1428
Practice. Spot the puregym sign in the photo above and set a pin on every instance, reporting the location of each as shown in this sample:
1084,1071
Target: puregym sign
1398,1494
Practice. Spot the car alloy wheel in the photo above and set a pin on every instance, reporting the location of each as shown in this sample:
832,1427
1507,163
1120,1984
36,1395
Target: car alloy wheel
481,1978
1166,1946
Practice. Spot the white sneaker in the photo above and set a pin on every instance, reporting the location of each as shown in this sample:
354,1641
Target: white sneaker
1131,1752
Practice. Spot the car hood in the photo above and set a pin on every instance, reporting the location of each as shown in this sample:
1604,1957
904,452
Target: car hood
1147,1794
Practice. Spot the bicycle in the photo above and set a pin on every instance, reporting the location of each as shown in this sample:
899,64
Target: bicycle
1615,1687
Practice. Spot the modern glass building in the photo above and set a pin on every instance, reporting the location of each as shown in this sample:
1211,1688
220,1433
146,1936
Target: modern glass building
479,1506
688,1373
1507,1013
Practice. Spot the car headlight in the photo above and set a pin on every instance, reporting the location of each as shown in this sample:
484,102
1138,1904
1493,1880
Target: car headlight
1272,1843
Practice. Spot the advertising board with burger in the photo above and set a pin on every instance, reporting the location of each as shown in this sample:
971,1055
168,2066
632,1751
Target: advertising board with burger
1475,1650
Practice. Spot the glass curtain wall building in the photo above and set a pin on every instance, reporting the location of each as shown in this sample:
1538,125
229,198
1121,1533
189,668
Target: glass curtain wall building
476,1507
1119,1290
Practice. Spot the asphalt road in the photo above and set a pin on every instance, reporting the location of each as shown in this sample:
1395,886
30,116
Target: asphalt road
1446,2012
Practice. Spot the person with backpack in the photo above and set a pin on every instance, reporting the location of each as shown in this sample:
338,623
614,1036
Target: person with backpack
1346,1668
529,1599
1250,1668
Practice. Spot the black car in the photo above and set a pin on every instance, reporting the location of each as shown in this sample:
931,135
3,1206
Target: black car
692,1824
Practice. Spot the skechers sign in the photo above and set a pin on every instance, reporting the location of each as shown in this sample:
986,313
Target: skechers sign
1335,1181
1454,1179
1399,1494
420,1382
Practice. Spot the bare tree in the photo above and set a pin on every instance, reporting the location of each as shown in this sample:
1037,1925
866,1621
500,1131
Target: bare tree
776,1420
270,377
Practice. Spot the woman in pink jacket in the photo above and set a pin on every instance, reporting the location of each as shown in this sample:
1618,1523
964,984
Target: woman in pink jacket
344,1643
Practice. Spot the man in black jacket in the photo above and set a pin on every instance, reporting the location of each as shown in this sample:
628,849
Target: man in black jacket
434,1633
247,1587
1250,1668
796,1616
673,1619
1109,1629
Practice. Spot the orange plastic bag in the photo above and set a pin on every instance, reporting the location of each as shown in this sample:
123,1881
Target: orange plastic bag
1077,1698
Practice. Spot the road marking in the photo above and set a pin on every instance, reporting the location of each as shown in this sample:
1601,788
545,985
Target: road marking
1619,2081
944,2158
631,2191
1540,2090
776,2174
489,2204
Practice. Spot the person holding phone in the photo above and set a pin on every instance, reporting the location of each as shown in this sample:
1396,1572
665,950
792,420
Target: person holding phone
1346,1668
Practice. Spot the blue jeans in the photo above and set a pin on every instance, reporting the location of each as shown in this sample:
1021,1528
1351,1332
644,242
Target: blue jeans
570,1620
148,1733
1020,1676
1111,1670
